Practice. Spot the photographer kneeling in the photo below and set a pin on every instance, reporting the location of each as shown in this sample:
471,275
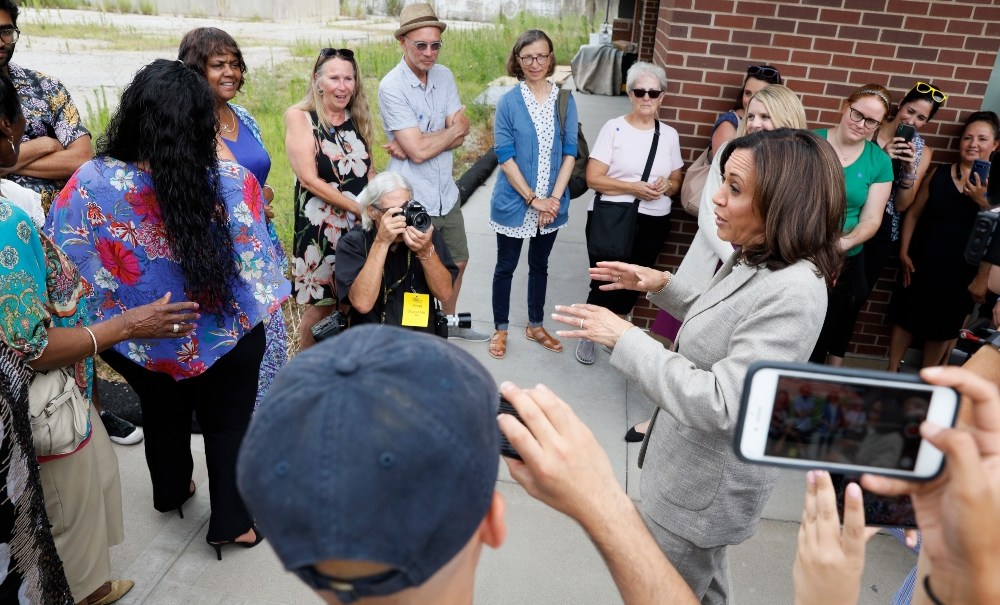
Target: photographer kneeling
390,269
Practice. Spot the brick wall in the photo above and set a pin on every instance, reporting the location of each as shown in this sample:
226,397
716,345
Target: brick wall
645,27
824,49
621,29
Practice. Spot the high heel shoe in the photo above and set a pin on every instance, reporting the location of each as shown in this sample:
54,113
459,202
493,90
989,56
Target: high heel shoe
218,545
180,507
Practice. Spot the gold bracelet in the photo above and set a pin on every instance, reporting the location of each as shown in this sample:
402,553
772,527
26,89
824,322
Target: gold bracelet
92,338
429,253
667,283
531,199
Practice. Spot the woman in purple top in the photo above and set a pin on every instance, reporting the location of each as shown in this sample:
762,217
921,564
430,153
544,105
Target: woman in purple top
214,54
155,212
724,129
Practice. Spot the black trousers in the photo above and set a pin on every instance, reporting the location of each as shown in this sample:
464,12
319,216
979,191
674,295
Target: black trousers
842,309
222,398
651,232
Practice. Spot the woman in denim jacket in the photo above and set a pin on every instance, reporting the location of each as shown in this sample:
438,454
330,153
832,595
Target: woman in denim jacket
531,196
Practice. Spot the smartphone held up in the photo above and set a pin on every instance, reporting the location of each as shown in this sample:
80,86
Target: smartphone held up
842,420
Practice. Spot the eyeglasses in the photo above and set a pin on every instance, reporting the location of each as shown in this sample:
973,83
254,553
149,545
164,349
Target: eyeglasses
422,46
642,92
764,72
334,52
530,59
921,87
857,116
10,35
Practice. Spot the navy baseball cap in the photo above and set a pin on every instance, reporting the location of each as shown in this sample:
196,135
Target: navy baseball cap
380,445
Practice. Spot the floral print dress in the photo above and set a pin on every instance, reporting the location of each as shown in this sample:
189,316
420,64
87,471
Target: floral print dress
108,220
342,159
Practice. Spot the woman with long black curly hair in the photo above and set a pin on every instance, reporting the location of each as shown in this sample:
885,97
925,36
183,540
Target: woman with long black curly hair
157,213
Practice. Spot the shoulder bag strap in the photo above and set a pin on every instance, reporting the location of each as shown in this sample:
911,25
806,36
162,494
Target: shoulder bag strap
652,154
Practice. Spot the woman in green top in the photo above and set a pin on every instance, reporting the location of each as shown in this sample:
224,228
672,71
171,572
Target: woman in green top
868,182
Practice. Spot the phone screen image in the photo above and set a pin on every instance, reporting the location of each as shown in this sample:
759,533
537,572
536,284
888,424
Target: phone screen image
888,511
847,423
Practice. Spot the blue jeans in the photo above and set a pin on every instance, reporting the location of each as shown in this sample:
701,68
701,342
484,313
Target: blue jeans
508,253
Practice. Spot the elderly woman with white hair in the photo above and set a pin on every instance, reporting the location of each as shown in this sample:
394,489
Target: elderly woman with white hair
388,271
635,160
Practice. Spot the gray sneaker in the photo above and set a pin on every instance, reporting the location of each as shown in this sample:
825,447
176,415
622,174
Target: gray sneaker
585,352
467,334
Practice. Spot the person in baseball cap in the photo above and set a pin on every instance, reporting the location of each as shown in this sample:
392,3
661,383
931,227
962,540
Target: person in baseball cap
371,467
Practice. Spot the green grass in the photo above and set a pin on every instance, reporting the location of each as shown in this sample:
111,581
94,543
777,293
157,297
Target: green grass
476,57
115,38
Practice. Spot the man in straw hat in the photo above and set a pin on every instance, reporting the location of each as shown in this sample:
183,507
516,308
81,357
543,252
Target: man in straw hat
424,119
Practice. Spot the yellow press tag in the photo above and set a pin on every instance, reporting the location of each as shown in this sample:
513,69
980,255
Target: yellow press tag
416,310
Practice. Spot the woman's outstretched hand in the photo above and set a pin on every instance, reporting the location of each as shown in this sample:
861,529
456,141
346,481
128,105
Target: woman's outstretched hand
626,276
591,322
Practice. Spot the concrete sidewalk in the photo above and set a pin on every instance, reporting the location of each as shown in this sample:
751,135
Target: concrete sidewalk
547,559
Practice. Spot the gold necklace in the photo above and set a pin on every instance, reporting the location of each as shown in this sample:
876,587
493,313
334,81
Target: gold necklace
228,129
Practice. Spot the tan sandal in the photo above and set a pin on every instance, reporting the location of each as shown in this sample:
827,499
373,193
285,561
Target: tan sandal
543,338
498,344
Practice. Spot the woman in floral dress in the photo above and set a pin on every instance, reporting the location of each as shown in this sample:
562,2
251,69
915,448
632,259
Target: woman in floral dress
327,135
143,225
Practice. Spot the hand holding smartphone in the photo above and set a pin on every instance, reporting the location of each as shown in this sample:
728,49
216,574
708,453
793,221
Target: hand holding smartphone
849,421
506,449
906,132
980,168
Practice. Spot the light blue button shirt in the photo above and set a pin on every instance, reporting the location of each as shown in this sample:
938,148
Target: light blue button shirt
405,102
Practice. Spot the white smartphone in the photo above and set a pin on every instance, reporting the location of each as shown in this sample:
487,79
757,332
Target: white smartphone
850,421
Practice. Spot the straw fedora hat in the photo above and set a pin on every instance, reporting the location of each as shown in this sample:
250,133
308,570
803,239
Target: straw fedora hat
416,16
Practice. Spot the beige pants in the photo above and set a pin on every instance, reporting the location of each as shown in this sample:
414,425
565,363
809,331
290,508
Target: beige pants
83,499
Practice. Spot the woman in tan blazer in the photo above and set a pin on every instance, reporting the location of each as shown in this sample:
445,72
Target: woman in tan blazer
766,302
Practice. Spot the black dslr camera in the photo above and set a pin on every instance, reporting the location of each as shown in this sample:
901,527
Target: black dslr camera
442,321
983,245
416,216
329,326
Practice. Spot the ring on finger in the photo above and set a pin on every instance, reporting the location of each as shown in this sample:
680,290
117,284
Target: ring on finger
177,328
581,323
619,279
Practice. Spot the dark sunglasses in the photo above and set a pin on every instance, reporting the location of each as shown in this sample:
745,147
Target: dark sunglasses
334,52
642,92
764,72
925,88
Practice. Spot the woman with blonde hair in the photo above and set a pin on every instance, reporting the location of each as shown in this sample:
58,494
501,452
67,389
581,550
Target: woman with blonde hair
868,181
328,135
774,106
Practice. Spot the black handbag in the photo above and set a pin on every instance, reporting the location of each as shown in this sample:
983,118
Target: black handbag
611,226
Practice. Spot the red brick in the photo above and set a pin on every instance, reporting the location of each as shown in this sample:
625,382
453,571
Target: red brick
840,17
770,55
917,53
704,117
832,102
790,41
828,3
908,7
801,13
951,10
976,89
932,70
718,6
858,33
865,5
766,24
757,38
818,29
968,28
896,67
790,71
993,29
884,20
700,90
833,45
851,61
689,46
678,31
861,339
901,36
729,50
703,62
925,24
986,59
683,101
937,41
711,34
986,13
756,8
811,58
806,86
823,73
692,17
684,75
733,21
957,57
981,44
871,49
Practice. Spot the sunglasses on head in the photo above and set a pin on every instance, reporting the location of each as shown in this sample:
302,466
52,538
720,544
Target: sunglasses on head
335,52
925,88
763,72
642,92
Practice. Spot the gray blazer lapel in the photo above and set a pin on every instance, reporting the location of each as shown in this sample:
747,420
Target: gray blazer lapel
730,278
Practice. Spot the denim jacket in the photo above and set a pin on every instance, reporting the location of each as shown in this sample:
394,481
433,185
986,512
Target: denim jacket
514,137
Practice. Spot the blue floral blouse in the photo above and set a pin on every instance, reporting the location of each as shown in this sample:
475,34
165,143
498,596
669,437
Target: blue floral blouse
107,219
